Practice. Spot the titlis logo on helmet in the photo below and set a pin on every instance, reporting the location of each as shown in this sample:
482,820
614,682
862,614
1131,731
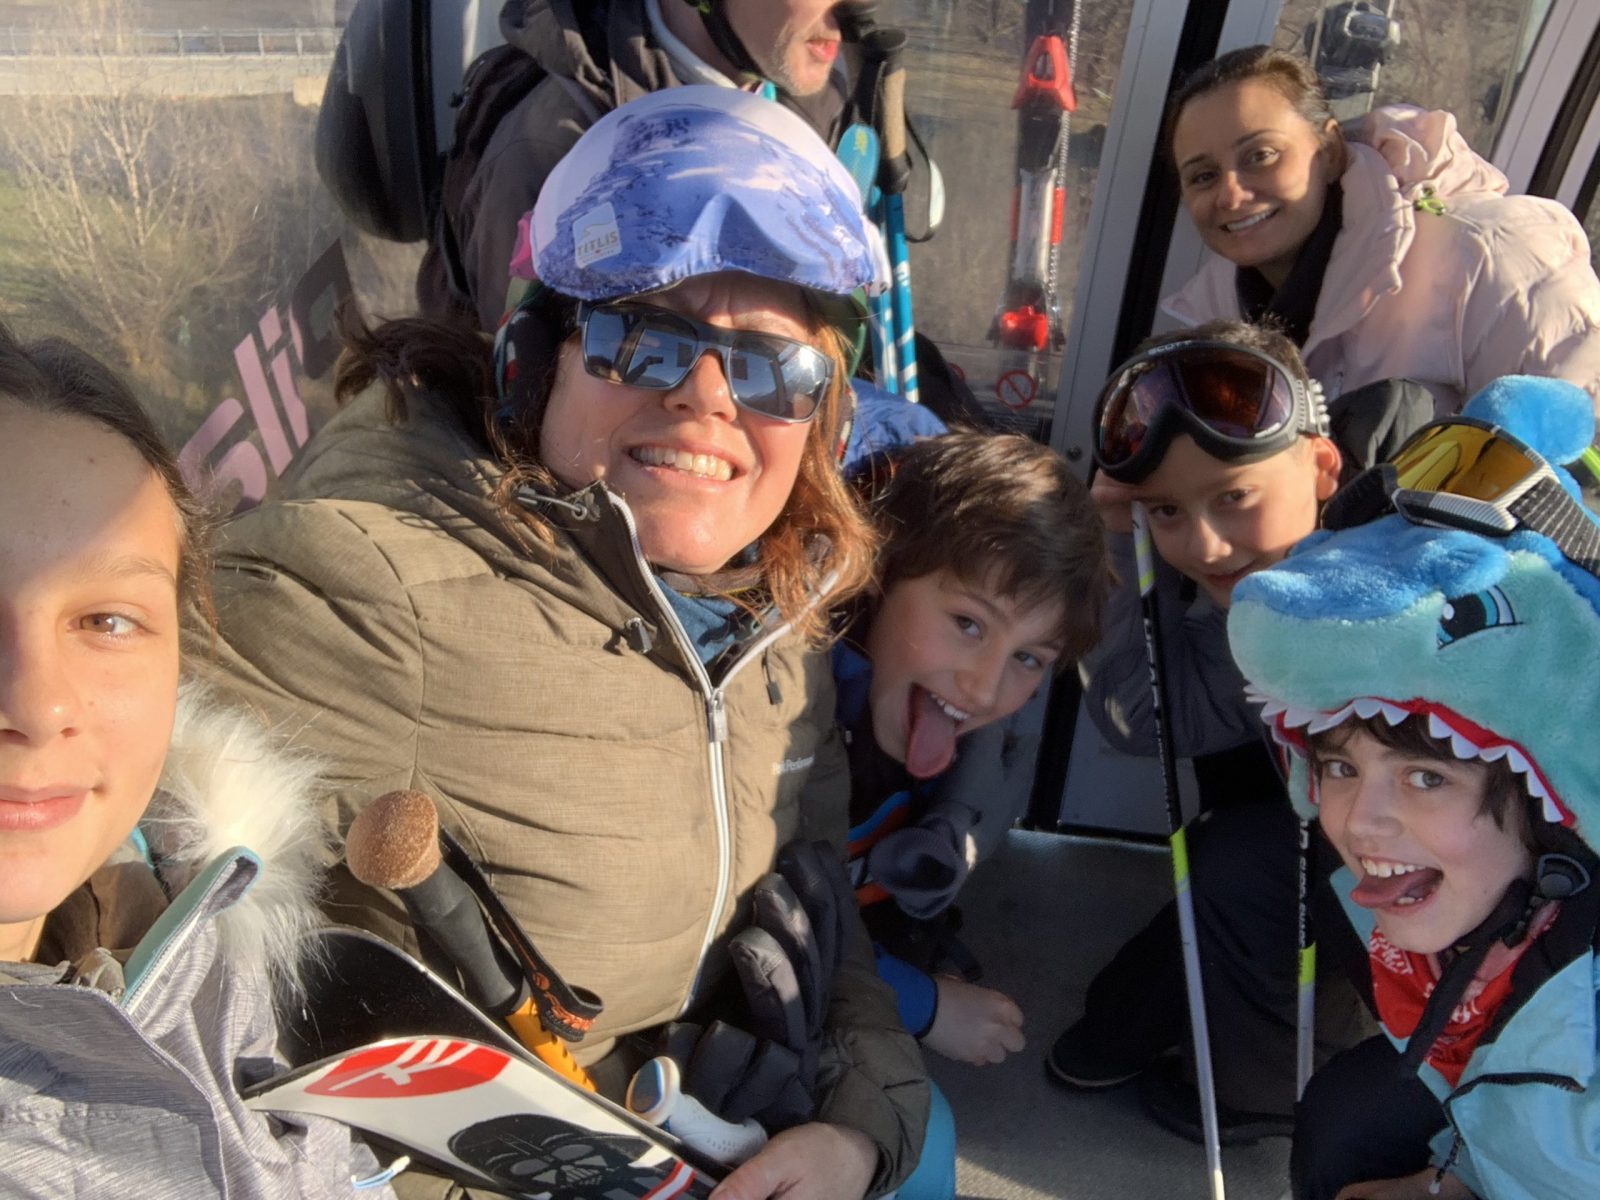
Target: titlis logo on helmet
595,236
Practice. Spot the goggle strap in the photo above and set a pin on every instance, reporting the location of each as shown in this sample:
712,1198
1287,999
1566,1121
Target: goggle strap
1547,508
1365,498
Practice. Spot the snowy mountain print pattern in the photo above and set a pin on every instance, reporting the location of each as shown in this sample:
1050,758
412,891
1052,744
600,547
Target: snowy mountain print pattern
688,190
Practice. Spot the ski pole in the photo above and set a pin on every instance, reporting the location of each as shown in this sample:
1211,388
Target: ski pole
894,171
394,844
1305,1017
859,152
1305,1030
1205,1081
885,351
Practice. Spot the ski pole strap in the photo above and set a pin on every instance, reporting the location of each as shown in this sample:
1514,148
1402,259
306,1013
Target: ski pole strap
566,1011
1459,972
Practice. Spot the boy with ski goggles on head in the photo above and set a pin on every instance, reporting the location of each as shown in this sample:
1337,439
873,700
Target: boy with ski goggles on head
1220,434
1389,657
993,574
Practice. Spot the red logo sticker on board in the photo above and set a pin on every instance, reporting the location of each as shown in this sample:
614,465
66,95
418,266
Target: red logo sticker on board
419,1067
676,1184
1016,388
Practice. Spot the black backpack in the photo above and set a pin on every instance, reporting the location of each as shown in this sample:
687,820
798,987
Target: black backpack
496,82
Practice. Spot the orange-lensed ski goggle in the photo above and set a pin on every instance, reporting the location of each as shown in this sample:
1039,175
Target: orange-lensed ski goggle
1461,473
1238,404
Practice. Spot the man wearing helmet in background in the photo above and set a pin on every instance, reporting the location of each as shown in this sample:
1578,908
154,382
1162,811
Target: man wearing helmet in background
597,57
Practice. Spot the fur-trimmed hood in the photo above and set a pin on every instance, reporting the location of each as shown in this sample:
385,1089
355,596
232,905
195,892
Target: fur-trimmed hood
226,786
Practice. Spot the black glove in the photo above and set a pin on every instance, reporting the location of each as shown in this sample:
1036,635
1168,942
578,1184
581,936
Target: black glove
924,864
787,958
820,882
737,1075
785,962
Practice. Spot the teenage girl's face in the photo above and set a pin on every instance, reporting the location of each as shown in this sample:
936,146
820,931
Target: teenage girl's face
88,655
1217,522
1254,174
703,477
1431,861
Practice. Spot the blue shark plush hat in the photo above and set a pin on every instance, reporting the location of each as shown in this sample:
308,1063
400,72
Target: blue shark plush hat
1496,639
693,180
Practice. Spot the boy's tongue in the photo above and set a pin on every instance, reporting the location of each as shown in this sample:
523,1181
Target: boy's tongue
930,736
1376,891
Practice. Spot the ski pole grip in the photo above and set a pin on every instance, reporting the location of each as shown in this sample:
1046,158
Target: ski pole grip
889,45
442,905
656,1095
394,844
857,18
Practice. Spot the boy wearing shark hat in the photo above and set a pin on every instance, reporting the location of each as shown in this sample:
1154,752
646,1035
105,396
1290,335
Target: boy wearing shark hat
1416,660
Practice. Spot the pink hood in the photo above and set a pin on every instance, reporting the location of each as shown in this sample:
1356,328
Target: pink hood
1420,147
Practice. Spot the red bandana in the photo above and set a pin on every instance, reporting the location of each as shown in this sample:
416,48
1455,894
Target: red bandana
1402,981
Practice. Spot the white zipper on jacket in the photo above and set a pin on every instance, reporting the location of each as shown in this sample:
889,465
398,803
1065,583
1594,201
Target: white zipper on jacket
717,732
218,886
715,698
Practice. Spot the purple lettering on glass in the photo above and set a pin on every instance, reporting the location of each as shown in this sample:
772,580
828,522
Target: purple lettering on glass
248,359
312,346
283,375
242,464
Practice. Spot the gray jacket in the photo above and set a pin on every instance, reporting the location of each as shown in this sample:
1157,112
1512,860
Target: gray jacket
1205,691
120,1067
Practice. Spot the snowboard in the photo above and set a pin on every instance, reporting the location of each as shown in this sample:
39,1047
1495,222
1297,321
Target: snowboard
382,1044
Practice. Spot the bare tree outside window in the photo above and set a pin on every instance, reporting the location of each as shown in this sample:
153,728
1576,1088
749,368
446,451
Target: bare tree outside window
152,223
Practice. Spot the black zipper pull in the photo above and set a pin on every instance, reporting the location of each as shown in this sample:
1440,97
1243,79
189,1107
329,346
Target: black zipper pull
638,634
774,693
1449,1161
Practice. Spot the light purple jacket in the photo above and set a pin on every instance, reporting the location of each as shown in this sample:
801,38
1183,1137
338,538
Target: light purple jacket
1437,274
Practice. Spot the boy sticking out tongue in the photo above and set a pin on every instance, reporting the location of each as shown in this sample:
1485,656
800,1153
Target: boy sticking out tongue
993,573
1409,660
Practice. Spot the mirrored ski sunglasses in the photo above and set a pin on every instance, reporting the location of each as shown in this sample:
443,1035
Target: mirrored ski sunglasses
1238,404
1461,473
643,346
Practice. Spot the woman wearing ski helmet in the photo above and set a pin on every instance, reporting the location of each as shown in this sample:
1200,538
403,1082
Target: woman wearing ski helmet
571,589
1385,247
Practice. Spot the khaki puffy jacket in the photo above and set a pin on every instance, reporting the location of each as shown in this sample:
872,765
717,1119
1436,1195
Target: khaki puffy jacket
622,807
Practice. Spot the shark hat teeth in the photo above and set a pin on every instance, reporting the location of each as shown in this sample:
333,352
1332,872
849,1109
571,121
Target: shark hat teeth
1290,724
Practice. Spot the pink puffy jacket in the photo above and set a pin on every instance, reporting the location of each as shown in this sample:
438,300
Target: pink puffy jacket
1437,274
